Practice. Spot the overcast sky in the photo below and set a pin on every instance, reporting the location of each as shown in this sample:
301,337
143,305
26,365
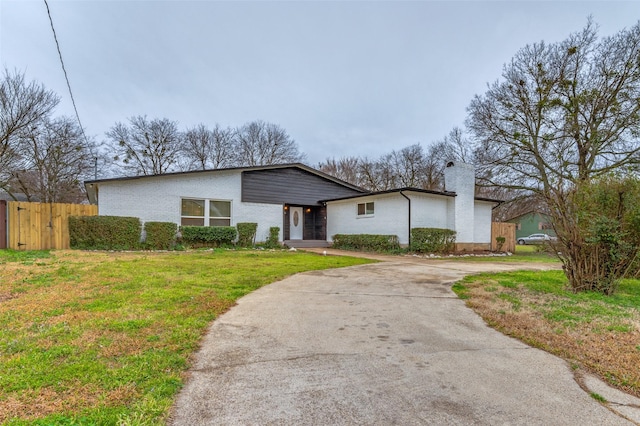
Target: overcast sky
357,78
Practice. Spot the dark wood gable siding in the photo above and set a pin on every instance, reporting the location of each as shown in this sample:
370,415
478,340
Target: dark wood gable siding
290,186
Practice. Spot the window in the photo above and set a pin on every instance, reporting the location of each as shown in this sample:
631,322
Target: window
194,213
543,225
219,213
365,209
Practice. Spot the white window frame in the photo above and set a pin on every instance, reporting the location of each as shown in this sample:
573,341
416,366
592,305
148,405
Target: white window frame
365,214
207,218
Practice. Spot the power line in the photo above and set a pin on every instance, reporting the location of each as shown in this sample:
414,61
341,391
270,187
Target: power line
64,70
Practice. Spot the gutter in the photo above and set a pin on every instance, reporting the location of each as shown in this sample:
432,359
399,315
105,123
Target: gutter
409,216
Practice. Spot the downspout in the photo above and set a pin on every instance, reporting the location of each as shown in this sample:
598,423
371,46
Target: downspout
409,218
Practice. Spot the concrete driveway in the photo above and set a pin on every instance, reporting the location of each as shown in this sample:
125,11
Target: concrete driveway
381,344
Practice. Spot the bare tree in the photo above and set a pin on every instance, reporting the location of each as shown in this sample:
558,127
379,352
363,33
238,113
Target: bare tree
259,143
408,166
564,114
56,160
436,159
209,149
147,147
455,146
344,168
458,147
22,106
369,174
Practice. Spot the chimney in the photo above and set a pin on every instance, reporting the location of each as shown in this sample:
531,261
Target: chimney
460,178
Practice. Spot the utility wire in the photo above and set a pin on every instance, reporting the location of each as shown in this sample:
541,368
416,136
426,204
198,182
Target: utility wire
66,77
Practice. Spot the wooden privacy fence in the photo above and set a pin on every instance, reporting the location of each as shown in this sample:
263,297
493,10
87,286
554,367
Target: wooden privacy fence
506,230
41,226
3,224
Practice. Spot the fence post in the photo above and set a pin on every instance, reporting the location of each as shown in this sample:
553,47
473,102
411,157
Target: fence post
3,224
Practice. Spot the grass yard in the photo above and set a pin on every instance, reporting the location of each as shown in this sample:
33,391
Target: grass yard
106,338
600,334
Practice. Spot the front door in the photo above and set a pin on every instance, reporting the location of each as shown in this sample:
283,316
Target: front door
296,223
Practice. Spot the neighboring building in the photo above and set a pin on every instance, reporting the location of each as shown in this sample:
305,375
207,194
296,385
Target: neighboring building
307,205
533,222
15,197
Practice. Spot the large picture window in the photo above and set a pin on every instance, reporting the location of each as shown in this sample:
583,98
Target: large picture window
205,212
365,209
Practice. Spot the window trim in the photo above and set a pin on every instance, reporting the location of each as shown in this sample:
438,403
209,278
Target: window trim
365,214
207,210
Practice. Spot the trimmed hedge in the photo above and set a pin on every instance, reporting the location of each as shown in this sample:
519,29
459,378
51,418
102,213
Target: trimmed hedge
366,242
208,236
273,239
246,233
160,235
104,232
433,240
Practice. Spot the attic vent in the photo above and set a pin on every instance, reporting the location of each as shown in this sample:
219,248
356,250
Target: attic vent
450,164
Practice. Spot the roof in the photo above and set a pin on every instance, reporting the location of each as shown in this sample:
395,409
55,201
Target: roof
409,189
90,185
18,196
489,200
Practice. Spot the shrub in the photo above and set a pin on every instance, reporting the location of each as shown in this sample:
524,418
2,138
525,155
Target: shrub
602,244
246,233
104,232
500,242
366,242
432,240
208,236
273,239
160,235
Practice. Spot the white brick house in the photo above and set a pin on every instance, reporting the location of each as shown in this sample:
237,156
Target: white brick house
307,205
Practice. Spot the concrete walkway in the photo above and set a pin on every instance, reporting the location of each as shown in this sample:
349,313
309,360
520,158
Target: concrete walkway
381,344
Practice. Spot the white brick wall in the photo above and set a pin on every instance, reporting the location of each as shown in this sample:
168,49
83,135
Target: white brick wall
430,211
482,219
159,199
390,217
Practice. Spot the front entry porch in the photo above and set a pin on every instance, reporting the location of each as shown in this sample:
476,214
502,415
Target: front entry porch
305,226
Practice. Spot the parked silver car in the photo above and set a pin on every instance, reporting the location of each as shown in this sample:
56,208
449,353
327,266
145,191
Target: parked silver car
536,239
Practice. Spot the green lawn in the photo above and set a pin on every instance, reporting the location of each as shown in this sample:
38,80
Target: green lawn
105,338
598,333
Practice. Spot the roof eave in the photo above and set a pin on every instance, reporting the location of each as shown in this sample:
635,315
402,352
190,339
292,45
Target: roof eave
95,182
395,190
